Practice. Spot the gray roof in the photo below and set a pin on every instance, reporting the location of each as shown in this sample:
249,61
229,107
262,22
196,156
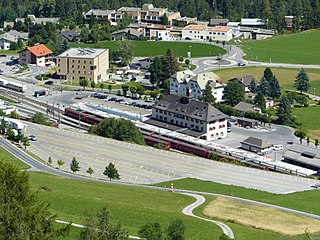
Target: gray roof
70,35
244,107
129,9
256,142
132,31
218,21
190,108
244,80
83,52
304,154
99,12
8,37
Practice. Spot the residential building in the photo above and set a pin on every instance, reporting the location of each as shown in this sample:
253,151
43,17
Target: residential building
6,40
248,123
190,116
256,33
126,34
184,21
37,55
161,35
247,107
35,20
84,63
289,22
253,22
70,36
201,32
145,63
256,145
99,14
188,83
244,81
303,156
19,35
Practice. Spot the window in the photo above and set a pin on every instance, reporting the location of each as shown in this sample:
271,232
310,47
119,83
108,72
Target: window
73,61
78,61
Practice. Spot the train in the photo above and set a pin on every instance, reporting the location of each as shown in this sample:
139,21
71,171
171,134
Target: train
18,87
82,116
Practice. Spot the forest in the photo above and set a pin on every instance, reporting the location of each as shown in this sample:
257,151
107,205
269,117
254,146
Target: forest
306,12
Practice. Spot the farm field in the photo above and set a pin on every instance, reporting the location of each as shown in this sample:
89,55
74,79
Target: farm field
153,48
286,76
299,48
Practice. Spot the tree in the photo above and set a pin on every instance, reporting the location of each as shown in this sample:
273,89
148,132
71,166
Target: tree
14,114
224,237
253,86
84,83
176,230
156,69
125,89
268,74
207,94
140,90
125,52
39,118
308,141
233,93
261,101
133,90
151,231
284,111
101,86
111,172
84,34
65,46
264,87
170,64
60,163
110,88
90,171
316,142
164,20
23,216
302,81
101,227
74,165
274,91
92,85
25,142
50,160
301,134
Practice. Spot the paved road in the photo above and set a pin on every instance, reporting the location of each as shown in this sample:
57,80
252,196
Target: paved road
145,165
188,210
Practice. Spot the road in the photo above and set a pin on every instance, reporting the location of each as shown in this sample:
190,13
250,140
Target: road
188,210
146,165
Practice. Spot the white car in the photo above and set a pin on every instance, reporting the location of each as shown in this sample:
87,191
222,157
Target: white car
32,138
277,147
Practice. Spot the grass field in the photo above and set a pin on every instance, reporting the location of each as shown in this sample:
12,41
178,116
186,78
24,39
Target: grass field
7,157
304,201
299,48
260,217
286,76
309,119
153,48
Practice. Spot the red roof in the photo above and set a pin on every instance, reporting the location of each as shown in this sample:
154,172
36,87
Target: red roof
40,50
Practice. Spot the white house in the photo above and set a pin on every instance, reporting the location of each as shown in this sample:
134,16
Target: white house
198,118
202,32
5,41
145,63
188,83
163,35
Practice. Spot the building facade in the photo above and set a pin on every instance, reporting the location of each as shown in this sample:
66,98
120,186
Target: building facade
188,83
202,32
84,63
37,54
191,114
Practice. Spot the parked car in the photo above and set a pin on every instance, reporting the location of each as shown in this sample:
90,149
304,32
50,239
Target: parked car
241,64
317,185
277,147
32,138
113,99
3,55
49,82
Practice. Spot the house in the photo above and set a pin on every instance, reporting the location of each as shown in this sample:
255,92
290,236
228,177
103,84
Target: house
6,40
19,35
253,22
161,35
289,22
37,54
184,21
126,34
256,145
256,33
218,22
83,63
247,123
188,83
247,107
99,14
189,116
245,81
145,63
303,156
201,32
70,36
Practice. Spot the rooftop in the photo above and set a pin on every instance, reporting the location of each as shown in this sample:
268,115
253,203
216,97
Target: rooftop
244,107
83,52
220,29
194,27
100,12
256,142
39,50
304,154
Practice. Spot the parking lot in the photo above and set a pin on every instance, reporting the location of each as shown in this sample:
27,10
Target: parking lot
141,164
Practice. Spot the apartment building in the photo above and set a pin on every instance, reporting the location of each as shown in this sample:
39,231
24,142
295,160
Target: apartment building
99,14
202,32
196,118
84,63
188,83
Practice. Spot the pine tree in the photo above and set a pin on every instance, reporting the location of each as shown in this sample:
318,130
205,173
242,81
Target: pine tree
65,46
264,87
111,172
302,81
171,65
261,101
274,88
90,171
74,165
207,94
284,111
253,86
268,74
